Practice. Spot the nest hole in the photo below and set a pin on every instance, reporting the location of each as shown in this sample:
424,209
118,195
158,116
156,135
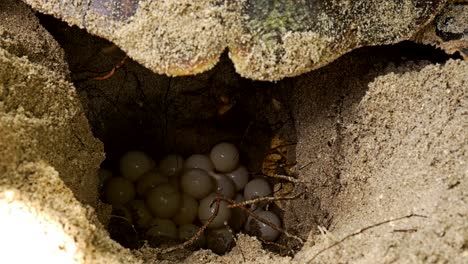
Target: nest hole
135,109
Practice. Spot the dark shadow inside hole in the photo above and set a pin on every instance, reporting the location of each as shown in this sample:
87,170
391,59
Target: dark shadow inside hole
136,109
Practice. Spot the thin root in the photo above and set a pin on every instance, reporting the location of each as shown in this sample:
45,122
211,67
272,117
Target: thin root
362,230
264,199
234,204
202,229
261,219
282,177
275,244
111,73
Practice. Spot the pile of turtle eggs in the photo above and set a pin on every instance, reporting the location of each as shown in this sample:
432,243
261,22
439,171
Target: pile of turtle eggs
172,199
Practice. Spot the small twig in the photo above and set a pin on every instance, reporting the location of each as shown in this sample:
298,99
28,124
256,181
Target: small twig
111,73
362,230
202,229
121,217
264,199
275,244
274,150
261,219
305,166
288,165
410,230
282,177
125,220
216,201
245,133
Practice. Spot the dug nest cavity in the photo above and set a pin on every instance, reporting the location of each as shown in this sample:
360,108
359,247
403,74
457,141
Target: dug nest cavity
365,157
163,121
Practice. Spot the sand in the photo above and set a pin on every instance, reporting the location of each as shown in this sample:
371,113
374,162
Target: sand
381,140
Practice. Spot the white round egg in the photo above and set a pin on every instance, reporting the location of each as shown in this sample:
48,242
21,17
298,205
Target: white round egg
225,157
187,231
171,165
197,183
163,201
199,161
257,188
240,177
224,185
121,211
162,228
220,240
148,181
188,210
134,164
207,208
238,217
175,182
263,230
140,213
119,190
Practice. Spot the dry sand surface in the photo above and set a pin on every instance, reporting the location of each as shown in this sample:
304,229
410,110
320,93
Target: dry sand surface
385,144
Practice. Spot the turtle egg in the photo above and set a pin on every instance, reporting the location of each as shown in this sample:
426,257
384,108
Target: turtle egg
239,176
262,230
148,181
199,161
187,231
134,164
140,213
197,183
220,240
119,190
162,228
171,165
224,185
188,210
163,201
121,212
208,207
225,157
257,188
238,216
175,181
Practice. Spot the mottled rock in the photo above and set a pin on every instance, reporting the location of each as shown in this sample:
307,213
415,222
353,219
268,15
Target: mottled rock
266,39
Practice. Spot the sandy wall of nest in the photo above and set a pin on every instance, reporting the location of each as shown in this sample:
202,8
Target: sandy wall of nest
385,143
